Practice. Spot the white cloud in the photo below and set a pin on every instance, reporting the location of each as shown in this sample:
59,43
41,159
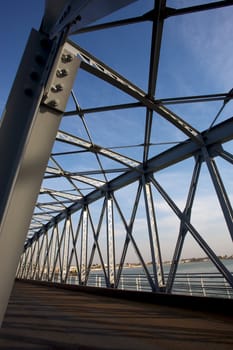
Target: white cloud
208,37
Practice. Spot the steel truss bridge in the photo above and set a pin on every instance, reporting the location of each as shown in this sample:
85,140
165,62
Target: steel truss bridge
86,150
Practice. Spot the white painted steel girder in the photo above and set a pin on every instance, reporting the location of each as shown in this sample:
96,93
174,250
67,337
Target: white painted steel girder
29,119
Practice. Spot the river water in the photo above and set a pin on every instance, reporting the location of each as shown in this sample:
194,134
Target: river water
192,278
189,267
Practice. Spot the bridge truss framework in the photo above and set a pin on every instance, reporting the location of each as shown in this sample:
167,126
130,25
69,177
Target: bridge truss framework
91,195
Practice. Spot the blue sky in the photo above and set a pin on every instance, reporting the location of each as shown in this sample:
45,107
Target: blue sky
196,58
17,19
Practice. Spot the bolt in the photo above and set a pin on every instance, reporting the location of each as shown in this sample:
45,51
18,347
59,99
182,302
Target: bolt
62,73
45,43
57,88
53,103
67,58
77,19
28,92
40,60
34,76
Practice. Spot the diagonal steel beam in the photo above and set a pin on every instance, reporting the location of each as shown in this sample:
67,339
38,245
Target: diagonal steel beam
74,140
94,66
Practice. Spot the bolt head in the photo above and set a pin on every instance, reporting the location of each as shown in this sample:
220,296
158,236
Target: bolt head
53,103
61,73
67,58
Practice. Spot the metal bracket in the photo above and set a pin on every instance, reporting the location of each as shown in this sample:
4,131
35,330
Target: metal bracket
61,80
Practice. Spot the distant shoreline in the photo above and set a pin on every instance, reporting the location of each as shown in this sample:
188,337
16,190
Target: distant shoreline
181,261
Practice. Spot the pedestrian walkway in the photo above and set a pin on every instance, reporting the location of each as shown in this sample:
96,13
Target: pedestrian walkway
41,317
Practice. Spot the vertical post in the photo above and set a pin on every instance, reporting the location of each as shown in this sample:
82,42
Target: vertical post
47,256
110,242
52,252
43,256
36,259
203,287
66,250
83,259
153,236
21,266
25,270
189,285
55,252
40,244
33,113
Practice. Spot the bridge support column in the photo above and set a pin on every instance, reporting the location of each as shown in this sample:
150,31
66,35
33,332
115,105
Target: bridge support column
28,130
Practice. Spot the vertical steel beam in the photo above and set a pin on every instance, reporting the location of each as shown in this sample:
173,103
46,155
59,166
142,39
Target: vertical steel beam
24,272
46,262
70,249
51,252
40,243
60,250
56,253
73,252
43,254
29,264
157,31
153,236
37,247
19,268
28,130
32,261
110,242
65,256
84,241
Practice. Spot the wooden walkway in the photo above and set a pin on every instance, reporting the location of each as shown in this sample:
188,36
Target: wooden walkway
40,317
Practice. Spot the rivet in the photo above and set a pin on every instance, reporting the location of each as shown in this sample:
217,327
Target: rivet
34,76
28,92
67,58
62,73
57,88
45,43
53,103
40,60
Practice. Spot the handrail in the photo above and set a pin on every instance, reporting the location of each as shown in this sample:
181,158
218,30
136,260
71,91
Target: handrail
199,284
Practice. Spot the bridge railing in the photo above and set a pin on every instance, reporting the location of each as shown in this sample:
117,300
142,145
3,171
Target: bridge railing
194,284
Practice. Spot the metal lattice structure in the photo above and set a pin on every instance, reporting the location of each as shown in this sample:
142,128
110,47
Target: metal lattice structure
100,199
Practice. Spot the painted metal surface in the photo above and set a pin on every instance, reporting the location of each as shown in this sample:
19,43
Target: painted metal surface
26,161
82,219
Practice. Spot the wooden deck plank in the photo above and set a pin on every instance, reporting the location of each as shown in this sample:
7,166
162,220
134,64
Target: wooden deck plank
39,317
